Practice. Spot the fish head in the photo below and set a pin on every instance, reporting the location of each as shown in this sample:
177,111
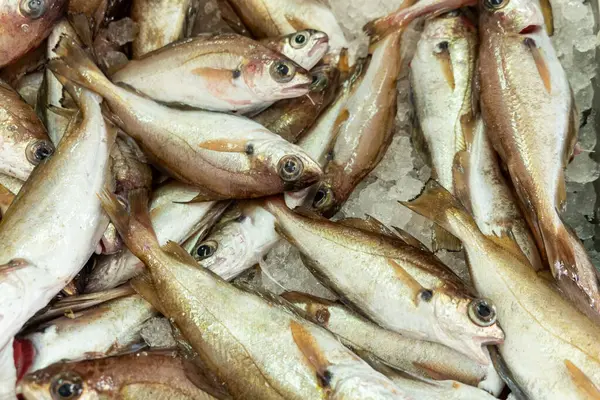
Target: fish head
63,381
24,24
22,149
273,78
466,324
511,16
306,48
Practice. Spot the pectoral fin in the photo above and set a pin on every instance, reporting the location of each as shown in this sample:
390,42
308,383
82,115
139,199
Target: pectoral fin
13,265
584,384
540,63
225,146
313,355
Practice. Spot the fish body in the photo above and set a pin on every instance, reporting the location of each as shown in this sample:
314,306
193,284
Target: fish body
254,344
24,24
396,285
173,219
532,121
550,347
158,374
305,48
226,72
239,243
24,142
422,358
225,155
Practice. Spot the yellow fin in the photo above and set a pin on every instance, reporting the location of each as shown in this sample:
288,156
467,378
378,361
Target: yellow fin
213,74
297,24
225,146
312,353
13,265
584,384
445,61
144,286
460,174
540,63
407,279
410,239
548,16
179,253
6,199
441,239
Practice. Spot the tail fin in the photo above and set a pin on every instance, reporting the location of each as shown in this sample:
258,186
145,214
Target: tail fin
134,227
74,64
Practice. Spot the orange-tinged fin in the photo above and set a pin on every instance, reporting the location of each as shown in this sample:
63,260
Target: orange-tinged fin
13,265
467,124
296,23
460,181
337,125
6,199
178,252
225,146
370,224
445,60
540,63
213,74
410,239
584,384
441,239
313,355
509,243
144,286
343,62
548,16
406,278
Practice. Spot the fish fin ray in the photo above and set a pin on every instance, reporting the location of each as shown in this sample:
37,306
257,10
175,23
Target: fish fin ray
583,383
460,173
410,239
540,63
144,286
442,239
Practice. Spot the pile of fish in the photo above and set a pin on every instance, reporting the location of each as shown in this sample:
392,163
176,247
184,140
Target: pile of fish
153,152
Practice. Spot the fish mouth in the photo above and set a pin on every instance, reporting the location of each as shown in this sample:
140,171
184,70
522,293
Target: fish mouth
530,29
317,45
300,88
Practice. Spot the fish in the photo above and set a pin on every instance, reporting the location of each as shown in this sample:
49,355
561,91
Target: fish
142,375
400,287
305,48
25,24
489,198
243,237
310,363
516,54
366,127
90,16
161,23
173,218
31,62
24,142
14,185
28,87
54,224
227,72
441,73
271,18
238,158
545,335
292,118
425,359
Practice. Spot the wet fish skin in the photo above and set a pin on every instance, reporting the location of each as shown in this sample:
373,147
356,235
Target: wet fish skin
305,48
24,25
541,327
310,362
396,285
143,375
24,139
426,359
227,72
517,55
10,183
238,158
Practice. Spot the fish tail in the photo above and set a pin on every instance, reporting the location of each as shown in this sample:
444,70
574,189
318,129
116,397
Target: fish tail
134,226
399,19
74,64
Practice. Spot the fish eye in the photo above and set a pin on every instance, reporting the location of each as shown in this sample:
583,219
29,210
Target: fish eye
323,198
495,4
426,295
66,386
299,39
38,151
290,168
283,71
482,312
206,250
33,9
320,81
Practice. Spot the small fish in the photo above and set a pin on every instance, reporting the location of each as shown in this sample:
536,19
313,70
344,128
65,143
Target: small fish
173,218
25,23
545,333
310,363
426,359
237,243
24,142
161,23
400,287
225,155
305,48
158,374
226,72
292,118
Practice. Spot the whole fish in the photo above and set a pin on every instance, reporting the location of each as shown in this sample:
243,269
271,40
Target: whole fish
550,347
161,23
269,18
225,155
23,139
426,359
158,374
226,72
489,198
305,48
534,133
442,71
365,127
292,118
25,23
54,224
243,237
398,286
243,328
173,218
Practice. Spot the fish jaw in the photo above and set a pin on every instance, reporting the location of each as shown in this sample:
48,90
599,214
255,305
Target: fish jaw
259,78
516,17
